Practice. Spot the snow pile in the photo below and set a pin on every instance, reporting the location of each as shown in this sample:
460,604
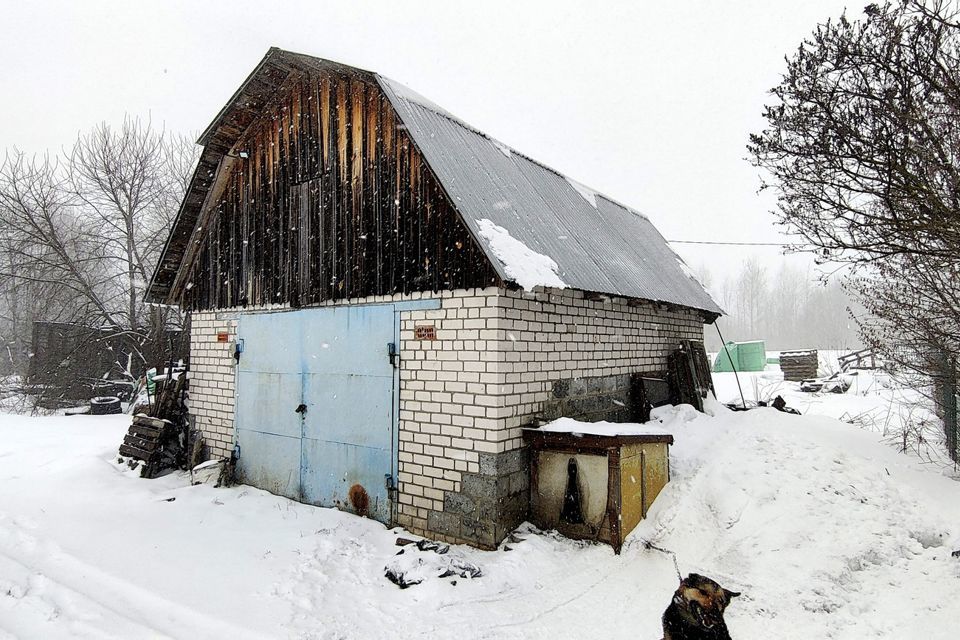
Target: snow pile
873,401
522,264
601,428
827,532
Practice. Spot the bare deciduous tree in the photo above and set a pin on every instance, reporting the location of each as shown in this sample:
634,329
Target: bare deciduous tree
862,147
861,143
81,236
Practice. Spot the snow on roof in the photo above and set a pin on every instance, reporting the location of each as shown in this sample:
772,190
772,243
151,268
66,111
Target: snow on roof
569,425
597,243
403,91
502,148
588,194
687,270
523,265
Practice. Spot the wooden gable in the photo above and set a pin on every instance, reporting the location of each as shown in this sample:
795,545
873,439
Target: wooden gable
325,197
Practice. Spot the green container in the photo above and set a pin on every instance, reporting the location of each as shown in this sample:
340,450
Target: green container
722,364
744,356
151,383
752,355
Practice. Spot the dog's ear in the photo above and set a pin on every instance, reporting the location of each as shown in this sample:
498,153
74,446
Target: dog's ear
731,594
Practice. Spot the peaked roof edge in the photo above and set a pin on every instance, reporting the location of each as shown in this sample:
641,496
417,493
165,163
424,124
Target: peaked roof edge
217,139
415,96
247,102
600,244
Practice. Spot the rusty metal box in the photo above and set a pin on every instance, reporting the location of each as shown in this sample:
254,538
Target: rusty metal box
595,487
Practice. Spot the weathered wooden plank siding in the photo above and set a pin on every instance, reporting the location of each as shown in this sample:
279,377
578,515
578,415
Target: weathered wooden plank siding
333,202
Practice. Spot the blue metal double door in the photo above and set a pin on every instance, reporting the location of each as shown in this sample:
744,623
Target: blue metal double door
315,406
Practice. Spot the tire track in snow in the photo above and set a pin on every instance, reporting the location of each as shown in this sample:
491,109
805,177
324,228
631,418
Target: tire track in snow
76,599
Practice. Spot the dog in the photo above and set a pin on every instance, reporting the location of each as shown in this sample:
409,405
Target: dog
696,612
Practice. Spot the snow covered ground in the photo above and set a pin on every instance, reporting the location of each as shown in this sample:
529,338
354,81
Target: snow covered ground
828,532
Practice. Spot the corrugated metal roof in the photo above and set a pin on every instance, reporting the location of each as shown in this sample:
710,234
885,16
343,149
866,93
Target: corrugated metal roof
607,248
598,244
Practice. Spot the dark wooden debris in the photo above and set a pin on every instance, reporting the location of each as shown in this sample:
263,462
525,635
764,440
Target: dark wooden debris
161,440
781,405
449,566
400,578
645,394
689,374
778,403
837,383
862,359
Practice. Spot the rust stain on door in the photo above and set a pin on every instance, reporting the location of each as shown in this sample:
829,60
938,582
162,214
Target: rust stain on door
359,499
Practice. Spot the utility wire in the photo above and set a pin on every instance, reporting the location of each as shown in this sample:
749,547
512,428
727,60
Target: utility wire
736,244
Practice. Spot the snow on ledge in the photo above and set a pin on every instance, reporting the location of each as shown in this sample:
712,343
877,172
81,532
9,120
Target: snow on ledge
522,264
586,192
502,148
569,425
688,271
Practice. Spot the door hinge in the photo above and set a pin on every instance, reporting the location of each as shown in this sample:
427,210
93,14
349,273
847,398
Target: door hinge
391,486
393,354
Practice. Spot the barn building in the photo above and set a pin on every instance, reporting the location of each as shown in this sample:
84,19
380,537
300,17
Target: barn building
381,297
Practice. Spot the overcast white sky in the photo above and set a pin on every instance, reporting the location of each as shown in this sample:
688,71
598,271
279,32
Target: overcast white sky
648,102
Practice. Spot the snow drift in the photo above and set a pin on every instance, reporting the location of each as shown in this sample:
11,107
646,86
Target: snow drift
827,532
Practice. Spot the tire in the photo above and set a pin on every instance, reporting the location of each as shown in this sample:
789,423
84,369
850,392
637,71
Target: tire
104,405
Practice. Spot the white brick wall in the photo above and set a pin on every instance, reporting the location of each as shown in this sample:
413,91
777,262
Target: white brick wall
446,400
549,336
492,367
212,379
469,392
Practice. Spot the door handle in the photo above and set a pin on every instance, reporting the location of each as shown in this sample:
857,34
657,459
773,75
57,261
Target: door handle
301,409
393,354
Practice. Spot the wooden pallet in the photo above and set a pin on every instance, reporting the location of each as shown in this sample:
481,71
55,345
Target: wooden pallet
156,439
799,365
690,373
145,441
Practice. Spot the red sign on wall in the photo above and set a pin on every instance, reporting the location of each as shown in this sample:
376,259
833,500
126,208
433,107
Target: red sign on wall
223,336
425,332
